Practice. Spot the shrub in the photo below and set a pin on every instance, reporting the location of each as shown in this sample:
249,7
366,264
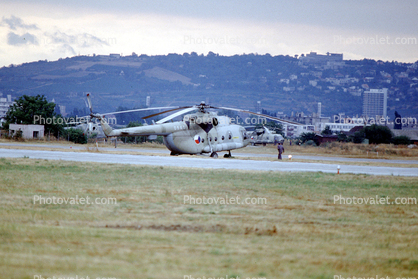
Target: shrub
404,140
342,137
18,136
75,135
327,131
378,134
310,142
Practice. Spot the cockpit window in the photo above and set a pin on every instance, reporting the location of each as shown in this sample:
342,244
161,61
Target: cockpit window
215,121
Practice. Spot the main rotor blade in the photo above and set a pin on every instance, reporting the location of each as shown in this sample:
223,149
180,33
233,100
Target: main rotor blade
73,123
141,109
155,114
263,115
176,114
267,130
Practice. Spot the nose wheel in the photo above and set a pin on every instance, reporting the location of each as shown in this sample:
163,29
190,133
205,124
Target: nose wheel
214,155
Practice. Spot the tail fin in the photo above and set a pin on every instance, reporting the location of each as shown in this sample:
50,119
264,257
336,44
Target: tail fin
89,103
105,126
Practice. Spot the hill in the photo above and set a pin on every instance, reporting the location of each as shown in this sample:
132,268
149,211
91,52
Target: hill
282,83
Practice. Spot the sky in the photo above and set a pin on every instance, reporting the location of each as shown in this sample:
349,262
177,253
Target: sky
52,29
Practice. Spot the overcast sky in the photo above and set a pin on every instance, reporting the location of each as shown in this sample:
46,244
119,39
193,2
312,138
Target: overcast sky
53,29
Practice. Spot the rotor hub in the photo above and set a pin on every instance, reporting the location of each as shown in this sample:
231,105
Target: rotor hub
202,106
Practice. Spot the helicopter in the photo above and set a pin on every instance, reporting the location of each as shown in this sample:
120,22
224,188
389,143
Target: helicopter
264,136
201,132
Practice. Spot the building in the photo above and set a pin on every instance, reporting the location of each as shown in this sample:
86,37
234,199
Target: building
115,55
340,127
258,107
314,58
62,110
319,110
412,134
294,131
29,131
310,123
320,139
5,103
375,103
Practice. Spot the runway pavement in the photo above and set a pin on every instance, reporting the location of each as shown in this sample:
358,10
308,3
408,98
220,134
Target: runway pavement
205,162
235,153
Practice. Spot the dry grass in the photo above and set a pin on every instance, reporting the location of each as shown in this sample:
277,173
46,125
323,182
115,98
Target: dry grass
335,161
381,151
151,233
100,143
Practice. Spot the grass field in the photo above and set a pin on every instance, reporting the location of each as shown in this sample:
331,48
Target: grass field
151,232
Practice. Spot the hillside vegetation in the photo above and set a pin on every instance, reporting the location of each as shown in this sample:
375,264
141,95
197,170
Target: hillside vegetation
281,83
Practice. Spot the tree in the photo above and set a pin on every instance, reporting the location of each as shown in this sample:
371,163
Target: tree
378,134
398,121
358,136
34,110
307,137
326,131
342,137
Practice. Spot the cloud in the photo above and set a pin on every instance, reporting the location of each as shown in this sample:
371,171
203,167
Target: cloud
25,39
16,22
83,40
67,49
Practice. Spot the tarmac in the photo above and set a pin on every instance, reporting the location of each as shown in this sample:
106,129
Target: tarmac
210,163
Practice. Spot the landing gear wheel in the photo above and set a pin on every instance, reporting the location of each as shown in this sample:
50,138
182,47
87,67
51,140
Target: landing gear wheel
214,155
173,154
228,155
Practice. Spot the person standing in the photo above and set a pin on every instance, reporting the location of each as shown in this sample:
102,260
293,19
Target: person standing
280,148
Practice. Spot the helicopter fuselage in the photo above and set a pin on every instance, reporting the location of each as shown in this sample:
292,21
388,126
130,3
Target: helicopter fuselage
194,140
